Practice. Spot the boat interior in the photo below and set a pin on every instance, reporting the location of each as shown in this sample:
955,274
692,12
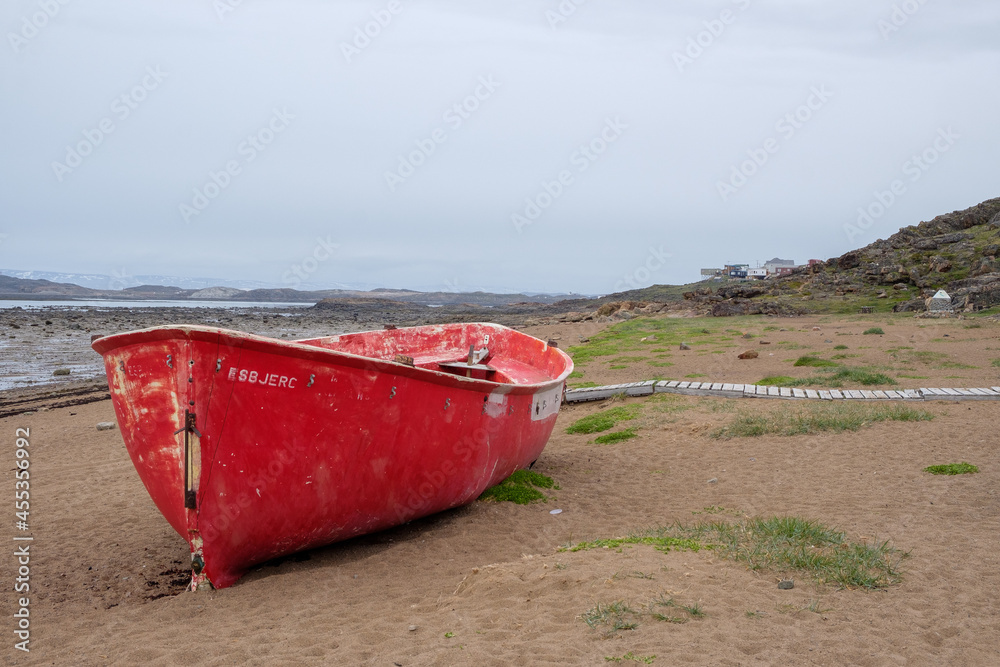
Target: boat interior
480,364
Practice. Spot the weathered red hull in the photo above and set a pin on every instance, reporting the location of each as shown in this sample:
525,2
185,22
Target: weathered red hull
253,448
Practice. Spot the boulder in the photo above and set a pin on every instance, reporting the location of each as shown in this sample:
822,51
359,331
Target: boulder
911,306
935,242
741,291
733,307
729,309
984,266
978,292
849,260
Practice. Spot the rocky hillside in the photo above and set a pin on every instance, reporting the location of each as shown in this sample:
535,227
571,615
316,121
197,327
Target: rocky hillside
20,288
36,289
956,252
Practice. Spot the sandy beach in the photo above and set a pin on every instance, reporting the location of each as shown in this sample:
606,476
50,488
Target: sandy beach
487,584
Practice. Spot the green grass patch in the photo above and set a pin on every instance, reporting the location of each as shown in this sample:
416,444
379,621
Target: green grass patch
927,357
816,418
521,488
835,380
778,544
779,381
626,337
660,364
813,361
952,469
793,544
605,419
616,436
840,347
995,363
574,374
954,364
862,376
873,330
583,385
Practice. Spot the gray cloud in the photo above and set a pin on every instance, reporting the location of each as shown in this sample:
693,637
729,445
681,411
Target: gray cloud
450,221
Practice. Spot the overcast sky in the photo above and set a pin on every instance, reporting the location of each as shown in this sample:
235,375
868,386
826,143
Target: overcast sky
510,145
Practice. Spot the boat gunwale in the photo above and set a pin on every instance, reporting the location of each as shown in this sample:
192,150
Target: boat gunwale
300,350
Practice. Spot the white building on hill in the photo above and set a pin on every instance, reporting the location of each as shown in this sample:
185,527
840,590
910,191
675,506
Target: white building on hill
773,265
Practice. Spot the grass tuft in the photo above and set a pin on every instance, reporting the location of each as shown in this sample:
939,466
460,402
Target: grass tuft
604,420
520,488
861,376
779,381
962,468
794,544
583,385
816,418
873,330
813,361
779,544
616,616
616,436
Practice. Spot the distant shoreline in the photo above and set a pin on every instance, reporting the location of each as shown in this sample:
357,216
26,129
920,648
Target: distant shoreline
33,303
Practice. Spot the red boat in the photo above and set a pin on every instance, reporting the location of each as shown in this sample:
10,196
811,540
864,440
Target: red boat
254,448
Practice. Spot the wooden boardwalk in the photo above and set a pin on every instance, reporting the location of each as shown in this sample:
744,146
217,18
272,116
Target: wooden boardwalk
727,390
